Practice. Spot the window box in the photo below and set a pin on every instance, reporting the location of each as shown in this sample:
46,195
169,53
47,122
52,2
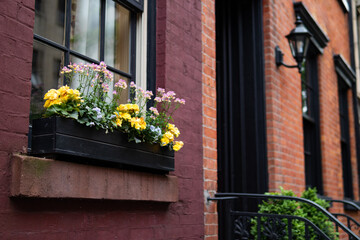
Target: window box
65,139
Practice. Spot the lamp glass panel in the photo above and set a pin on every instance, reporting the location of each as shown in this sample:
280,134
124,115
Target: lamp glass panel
300,45
292,44
306,46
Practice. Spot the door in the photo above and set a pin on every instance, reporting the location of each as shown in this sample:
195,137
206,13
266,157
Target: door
242,161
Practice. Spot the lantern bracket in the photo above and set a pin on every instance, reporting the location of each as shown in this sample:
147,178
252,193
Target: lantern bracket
279,59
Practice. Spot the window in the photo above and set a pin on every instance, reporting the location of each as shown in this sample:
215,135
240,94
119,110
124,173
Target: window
86,31
311,123
310,99
346,83
345,139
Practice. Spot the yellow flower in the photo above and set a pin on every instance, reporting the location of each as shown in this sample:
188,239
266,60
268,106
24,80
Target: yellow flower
118,122
52,97
52,94
132,108
138,123
62,95
63,90
174,130
125,116
169,136
49,103
178,145
164,141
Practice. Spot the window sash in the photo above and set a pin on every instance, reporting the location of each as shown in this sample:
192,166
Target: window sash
68,52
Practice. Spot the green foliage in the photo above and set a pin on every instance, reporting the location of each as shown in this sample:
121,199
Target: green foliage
300,209
282,207
315,216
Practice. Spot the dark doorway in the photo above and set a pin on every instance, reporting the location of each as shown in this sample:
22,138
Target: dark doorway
242,156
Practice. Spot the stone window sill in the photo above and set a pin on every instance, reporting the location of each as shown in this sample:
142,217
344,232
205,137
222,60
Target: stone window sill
46,178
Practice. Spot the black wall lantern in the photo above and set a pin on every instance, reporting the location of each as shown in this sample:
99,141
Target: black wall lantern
299,39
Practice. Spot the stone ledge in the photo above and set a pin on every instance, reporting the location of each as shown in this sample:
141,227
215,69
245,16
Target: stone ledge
46,178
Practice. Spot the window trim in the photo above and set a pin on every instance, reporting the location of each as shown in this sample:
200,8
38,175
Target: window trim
346,79
343,90
319,37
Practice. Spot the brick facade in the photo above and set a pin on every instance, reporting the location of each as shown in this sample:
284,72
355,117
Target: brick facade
209,115
283,96
283,101
178,68
186,63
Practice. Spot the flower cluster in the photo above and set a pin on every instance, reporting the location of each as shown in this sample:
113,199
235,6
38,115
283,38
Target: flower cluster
62,95
96,101
170,135
126,113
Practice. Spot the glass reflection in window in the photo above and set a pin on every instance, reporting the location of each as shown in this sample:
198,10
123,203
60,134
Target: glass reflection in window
50,19
85,27
47,62
117,36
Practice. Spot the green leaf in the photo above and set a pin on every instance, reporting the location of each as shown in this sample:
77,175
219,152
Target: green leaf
74,115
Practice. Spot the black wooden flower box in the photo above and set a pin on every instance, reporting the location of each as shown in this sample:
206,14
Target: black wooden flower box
65,139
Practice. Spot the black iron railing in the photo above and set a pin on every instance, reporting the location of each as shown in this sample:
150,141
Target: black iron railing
253,225
351,222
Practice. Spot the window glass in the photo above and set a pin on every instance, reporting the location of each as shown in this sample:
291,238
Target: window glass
50,20
307,90
305,101
47,62
117,36
85,27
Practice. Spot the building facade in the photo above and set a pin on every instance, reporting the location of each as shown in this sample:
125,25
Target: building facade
248,125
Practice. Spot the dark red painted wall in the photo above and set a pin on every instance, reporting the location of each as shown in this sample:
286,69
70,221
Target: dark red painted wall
179,69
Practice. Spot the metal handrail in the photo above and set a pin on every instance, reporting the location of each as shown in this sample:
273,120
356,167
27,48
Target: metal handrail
227,196
345,202
349,218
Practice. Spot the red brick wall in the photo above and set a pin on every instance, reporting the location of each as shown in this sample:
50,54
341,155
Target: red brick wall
283,98
179,69
283,102
209,115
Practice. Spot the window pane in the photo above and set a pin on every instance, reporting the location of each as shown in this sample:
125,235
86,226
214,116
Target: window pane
304,95
85,27
50,19
117,36
47,62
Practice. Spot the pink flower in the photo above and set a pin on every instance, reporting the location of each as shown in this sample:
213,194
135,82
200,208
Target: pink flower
148,94
121,84
158,99
132,85
154,110
171,93
161,90
181,101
